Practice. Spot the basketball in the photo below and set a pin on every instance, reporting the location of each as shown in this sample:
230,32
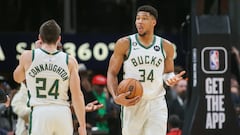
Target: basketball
132,85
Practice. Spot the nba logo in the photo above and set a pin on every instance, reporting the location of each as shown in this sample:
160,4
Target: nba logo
214,59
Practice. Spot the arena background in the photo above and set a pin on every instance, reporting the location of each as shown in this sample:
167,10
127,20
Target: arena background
90,29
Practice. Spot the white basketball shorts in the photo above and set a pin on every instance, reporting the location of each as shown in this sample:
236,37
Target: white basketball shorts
51,120
148,117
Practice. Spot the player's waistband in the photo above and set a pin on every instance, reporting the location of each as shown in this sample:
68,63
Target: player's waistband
160,96
154,95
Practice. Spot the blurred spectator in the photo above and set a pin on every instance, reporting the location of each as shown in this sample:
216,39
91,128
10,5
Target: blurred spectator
174,124
178,104
235,80
5,110
4,98
171,94
4,88
114,121
19,106
235,52
3,95
237,109
235,63
107,118
86,88
235,96
86,85
5,124
99,83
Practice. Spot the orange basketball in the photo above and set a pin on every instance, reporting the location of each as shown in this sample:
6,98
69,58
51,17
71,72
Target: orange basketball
132,85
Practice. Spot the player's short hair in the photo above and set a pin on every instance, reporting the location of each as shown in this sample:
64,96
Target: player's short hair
147,8
50,31
174,121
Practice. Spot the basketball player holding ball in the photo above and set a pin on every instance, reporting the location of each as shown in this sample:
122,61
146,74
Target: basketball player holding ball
147,58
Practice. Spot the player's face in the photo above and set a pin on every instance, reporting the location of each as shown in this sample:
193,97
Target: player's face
145,23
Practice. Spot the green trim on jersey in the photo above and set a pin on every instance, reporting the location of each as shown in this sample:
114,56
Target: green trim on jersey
49,52
67,57
130,48
121,115
154,39
30,122
163,52
33,55
29,96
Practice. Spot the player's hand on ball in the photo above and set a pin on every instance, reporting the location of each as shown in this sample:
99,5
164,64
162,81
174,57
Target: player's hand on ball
175,79
122,99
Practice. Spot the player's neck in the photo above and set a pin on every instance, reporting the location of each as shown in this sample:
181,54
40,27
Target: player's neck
49,48
146,39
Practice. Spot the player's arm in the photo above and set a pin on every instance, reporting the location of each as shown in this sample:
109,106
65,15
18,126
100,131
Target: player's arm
19,105
169,62
169,77
77,95
19,72
120,51
115,64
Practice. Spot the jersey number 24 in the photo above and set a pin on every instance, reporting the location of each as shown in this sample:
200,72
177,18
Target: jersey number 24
52,91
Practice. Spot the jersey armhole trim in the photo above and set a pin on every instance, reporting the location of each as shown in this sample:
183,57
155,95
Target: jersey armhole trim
67,57
130,48
33,55
29,97
163,52
30,122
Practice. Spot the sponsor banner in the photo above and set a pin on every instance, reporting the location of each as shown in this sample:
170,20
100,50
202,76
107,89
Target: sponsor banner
92,50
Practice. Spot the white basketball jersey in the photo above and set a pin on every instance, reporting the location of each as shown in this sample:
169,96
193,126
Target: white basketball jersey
146,64
48,78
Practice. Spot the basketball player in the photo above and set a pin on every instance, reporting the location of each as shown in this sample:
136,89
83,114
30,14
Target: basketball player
91,106
149,59
48,73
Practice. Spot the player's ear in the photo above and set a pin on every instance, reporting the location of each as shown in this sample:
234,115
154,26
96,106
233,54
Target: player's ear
39,37
154,22
59,39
